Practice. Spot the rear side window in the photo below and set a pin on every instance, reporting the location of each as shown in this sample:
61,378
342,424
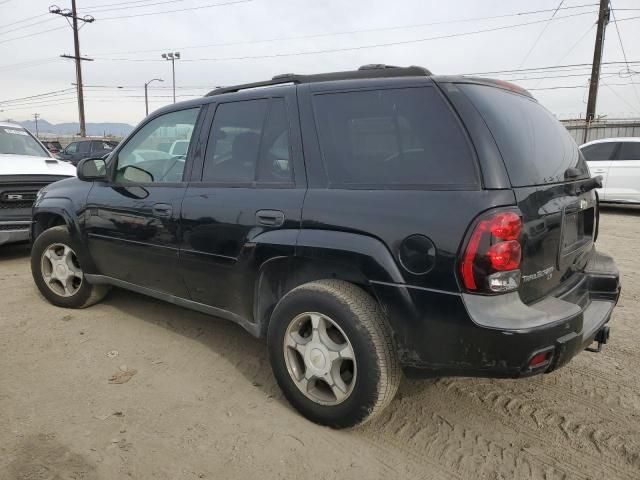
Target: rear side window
629,151
599,151
392,138
536,148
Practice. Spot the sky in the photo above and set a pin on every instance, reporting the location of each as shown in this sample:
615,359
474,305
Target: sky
224,42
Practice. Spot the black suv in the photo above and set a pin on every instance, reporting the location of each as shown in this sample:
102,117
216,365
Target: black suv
76,151
364,223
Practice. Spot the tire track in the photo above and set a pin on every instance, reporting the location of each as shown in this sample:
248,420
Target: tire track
618,449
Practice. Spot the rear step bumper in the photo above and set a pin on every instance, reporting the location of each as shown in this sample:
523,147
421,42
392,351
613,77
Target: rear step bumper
500,336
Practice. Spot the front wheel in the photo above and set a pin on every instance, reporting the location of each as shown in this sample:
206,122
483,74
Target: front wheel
332,353
57,271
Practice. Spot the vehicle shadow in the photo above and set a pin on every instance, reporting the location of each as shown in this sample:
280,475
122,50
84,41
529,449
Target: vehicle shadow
239,348
14,250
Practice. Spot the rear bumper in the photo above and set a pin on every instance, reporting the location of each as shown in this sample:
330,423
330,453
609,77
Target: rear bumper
441,334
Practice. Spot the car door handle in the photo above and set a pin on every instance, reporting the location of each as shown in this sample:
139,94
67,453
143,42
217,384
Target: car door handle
270,218
162,210
599,170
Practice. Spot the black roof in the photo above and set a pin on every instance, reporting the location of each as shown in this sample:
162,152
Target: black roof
366,71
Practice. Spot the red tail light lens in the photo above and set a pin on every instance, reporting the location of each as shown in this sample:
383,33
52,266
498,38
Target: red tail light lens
492,257
505,255
506,225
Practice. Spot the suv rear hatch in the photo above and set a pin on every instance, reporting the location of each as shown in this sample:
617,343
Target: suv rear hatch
549,177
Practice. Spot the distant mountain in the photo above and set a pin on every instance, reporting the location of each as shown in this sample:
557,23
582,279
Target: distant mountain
72,128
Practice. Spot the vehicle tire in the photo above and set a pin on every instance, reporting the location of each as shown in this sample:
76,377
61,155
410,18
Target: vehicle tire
332,353
57,271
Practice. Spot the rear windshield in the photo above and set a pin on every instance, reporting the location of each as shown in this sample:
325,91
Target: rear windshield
392,138
20,142
536,148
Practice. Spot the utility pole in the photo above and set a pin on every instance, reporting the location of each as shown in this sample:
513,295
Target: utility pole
73,15
36,116
173,56
146,97
603,20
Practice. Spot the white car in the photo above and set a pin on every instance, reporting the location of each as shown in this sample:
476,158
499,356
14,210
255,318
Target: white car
26,166
618,161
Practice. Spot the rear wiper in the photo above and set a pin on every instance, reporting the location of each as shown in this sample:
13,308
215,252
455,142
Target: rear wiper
572,173
595,182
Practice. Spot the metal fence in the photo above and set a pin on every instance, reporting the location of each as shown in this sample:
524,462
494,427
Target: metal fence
583,133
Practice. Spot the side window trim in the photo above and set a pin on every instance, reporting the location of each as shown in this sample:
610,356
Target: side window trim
112,166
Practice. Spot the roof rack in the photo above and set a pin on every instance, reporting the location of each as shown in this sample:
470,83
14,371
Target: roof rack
365,71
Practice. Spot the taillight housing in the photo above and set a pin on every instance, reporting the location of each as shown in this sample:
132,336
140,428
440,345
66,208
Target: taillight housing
490,261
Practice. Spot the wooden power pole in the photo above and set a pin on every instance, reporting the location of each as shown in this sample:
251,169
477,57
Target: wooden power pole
603,20
73,15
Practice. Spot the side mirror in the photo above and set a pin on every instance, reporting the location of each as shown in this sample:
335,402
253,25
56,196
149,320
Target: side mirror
134,174
91,169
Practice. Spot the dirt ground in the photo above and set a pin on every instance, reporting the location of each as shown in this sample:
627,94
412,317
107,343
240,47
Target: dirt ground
204,404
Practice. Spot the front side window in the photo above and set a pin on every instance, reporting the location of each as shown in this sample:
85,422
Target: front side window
248,142
392,138
84,147
599,151
144,160
629,151
18,141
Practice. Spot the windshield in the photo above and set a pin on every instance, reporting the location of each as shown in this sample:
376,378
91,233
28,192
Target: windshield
18,141
536,148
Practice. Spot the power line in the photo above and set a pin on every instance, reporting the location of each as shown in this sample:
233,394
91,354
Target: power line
547,68
526,57
360,47
26,26
37,95
91,7
346,32
233,2
127,5
10,24
27,64
31,34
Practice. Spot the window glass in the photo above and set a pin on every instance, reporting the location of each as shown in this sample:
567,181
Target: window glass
71,148
599,151
18,141
395,137
142,159
84,147
536,148
275,161
629,151
234,142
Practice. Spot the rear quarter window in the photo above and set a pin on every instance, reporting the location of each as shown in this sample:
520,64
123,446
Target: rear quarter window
536,148
393,138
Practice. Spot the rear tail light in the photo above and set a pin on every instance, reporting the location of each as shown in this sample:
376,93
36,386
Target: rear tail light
491,261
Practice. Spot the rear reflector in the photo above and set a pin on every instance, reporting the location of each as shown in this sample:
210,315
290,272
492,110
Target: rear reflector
539,359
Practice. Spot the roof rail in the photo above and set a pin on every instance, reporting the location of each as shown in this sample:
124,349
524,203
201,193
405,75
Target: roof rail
365,71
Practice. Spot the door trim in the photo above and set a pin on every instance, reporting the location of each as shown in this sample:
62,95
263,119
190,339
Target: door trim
250,327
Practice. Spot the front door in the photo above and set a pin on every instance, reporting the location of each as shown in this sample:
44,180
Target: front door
133,221
252,183
623,183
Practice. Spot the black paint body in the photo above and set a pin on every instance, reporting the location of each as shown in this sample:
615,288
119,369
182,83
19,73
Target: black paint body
212,252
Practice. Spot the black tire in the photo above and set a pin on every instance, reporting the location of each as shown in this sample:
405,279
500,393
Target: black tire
364,323
85,295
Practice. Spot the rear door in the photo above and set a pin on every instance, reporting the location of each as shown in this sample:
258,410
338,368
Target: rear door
251,183
599,156
623,184
547,171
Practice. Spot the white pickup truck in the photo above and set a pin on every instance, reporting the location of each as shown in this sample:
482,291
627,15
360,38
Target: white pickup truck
25,167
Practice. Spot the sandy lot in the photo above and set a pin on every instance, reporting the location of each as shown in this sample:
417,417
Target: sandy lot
204,404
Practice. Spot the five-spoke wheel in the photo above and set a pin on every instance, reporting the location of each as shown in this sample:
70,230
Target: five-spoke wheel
320,358
60,270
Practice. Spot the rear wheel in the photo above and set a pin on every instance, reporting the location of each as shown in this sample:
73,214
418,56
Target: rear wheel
332,354
57,271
